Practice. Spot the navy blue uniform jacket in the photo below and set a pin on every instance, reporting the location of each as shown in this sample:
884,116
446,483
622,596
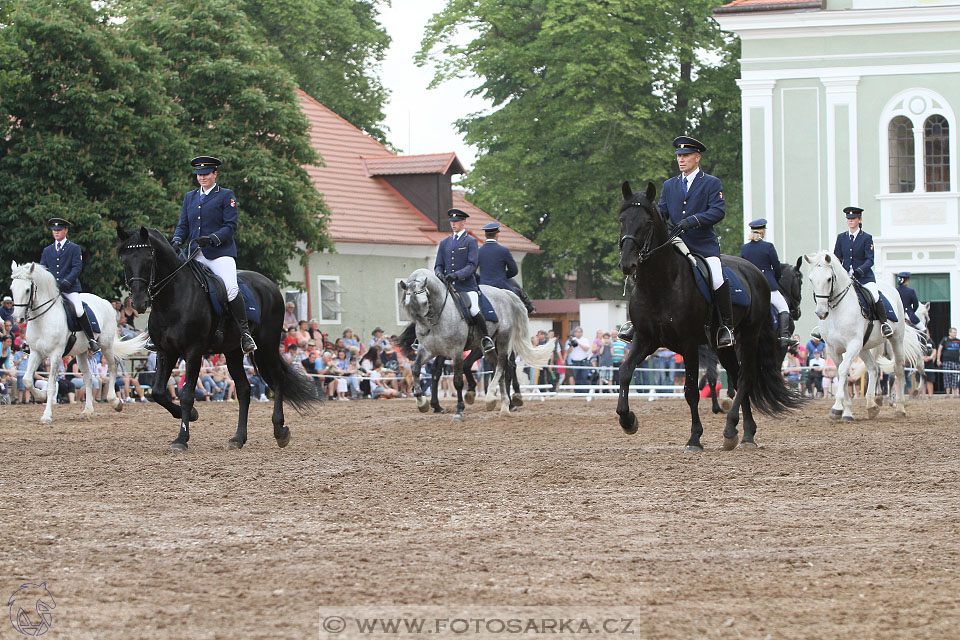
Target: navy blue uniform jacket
910,302
458,257
703,205
65,265
496,265
216,217
858,255
763,255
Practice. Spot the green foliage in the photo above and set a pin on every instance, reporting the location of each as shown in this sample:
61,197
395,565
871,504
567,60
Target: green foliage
331,48
586,95
238,103
87,134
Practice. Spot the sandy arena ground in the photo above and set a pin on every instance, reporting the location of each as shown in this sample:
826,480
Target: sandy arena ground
829,530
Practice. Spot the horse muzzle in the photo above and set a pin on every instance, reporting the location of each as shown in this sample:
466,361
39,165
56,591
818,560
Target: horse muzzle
628,268
823,314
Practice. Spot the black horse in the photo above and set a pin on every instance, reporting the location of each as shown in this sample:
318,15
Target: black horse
668,310
791,286
183,324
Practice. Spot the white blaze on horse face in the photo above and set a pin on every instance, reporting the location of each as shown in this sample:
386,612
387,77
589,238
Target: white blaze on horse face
820,277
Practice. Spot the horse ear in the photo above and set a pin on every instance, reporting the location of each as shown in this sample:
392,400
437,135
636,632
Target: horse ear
826,258
651,191
805,257
799,262
403,285
33,265
625,189
13,265
121,234
143,234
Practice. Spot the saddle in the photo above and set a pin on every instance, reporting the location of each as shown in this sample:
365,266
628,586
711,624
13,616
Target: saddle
213,285
701,274
868,305
486,309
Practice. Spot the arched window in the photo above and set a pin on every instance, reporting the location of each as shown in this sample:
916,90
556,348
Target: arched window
936,153
900,136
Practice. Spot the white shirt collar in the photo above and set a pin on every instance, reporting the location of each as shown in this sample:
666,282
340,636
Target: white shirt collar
854,233
459,235
490,240
206,193
690,178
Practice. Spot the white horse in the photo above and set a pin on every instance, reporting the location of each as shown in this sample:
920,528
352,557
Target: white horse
844,330
37,299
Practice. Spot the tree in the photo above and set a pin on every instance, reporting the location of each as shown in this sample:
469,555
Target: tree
585,95
87,134
331,47
236,102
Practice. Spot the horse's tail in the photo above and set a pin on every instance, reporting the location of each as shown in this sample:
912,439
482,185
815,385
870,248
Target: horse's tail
124,349
520,344
407,340
913,344
770,395
298,390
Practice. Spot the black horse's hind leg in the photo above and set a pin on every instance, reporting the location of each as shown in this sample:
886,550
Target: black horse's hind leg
242,388
458,384
691,392
728,358
749,426
638,351
435,388
515,398
747,362
471,395
192,363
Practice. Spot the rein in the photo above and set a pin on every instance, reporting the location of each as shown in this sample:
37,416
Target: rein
153,288
427,316
644,252
833,299
29,303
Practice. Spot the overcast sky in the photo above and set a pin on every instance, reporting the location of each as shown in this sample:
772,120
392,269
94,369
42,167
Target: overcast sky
421,120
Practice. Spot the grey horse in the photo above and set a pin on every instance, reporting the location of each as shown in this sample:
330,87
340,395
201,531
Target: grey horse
442,331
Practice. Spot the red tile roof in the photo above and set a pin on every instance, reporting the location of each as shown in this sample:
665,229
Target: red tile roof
749,6
395,165
354,194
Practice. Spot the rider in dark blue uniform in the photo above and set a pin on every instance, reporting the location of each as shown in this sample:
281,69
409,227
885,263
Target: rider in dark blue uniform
64,260
497,267
763,255
456,265
854,248
910,301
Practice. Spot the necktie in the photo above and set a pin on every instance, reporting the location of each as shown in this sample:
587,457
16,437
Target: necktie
202,195
851,238
684,185
58,246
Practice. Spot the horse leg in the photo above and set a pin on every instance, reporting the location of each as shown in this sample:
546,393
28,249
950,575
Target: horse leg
496,384
898,367
638,351
242,388
33,361
502,363
458,385
873,375
417,387
516,399
842,408
84,365
471,394
192,363
749,426
115,402
691,392
47,416
159,393
435,388
728,358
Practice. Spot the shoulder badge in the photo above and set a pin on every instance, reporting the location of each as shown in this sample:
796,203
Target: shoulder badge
233,202
721,195
871,246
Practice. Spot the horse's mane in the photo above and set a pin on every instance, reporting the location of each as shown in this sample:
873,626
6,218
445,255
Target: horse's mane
41,275
834,264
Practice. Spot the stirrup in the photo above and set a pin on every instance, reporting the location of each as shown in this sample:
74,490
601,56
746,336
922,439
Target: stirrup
626,332
886,329
725,337
788,342
815,333
247,345
93,346
487,344
150,346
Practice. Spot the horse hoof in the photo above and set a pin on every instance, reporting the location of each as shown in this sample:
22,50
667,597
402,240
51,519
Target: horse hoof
457,417
118,406
491,404
469,397
717,410
514,409
914,393
835,414
847,419
690,448
729,444
748,444
46,420
517,400
284,438
233,445
873,412
194,416
726,404
632,424
178,446
439,410
423,408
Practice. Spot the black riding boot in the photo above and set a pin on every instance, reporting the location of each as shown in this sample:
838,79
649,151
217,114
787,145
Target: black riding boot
485,342
725,331
88,330
525,299
786,340
626,332
239,311
881,312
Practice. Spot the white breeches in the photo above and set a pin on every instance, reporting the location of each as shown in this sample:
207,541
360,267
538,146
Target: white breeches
922,328
778,301
226,268
474,298
716,271
74,298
